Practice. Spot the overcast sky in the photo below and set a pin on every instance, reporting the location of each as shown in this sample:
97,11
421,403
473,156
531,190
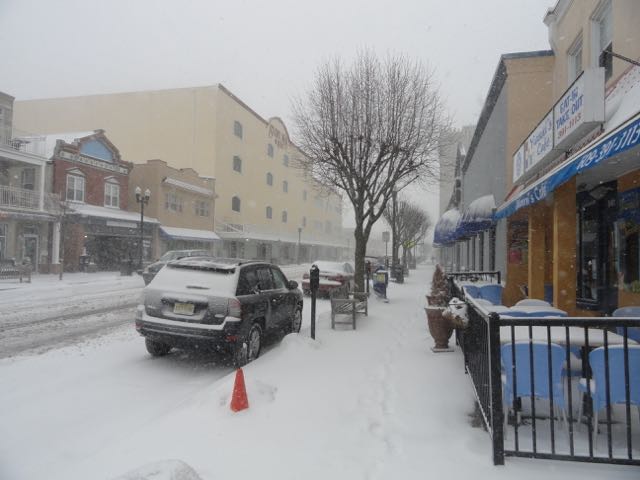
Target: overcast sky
265,51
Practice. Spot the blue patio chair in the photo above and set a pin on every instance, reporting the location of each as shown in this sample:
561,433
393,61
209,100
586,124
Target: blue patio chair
632,332
540,375
492,292
472,291
548,292
617,394
513,312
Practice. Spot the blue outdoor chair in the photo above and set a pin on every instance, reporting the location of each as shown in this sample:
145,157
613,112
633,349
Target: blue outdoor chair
532,302
597,384
472,291
492,292
632,332
540,374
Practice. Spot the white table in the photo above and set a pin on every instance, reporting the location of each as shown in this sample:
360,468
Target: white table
558,335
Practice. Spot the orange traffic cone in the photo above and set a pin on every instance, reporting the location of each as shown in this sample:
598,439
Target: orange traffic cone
239,400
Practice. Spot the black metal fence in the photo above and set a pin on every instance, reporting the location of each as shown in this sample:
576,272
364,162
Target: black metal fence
562,388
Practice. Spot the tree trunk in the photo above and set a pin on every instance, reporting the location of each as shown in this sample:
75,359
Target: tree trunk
360,251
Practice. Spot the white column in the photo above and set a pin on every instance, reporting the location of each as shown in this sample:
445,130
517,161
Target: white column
55,244
42,178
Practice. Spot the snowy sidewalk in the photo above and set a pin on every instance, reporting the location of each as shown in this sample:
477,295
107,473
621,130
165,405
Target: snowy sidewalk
374,403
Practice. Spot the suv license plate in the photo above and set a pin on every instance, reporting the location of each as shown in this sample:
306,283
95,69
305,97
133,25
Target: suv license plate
183,308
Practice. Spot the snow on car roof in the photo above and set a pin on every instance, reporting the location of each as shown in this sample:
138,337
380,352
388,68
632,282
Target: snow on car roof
324,265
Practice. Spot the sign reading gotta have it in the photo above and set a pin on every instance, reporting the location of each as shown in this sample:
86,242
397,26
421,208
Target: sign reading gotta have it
578,111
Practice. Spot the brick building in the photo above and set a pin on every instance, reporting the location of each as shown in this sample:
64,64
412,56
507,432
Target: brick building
92,180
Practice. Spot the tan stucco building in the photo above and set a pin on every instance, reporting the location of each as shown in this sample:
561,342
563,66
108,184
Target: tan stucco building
264,207
183,203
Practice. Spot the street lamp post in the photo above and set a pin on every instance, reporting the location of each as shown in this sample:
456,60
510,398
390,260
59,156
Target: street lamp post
299,234
142,200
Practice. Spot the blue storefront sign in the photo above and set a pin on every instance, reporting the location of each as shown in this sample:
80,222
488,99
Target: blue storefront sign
620,141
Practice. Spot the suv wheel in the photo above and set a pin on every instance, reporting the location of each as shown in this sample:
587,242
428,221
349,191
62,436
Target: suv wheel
296,320
157,349
249,349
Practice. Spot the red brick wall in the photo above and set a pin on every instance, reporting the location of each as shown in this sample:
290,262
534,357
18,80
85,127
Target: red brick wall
94,182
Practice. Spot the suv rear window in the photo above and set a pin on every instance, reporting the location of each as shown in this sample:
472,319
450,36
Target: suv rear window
221,281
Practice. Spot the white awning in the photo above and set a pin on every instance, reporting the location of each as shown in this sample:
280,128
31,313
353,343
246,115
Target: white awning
189,234
87,210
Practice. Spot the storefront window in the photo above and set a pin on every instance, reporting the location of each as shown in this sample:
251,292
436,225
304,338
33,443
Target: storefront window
628,239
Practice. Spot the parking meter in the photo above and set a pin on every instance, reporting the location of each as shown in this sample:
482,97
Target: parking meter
314,284
314,278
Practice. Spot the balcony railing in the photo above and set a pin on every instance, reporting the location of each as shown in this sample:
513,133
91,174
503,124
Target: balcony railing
24,142
20,198
264,232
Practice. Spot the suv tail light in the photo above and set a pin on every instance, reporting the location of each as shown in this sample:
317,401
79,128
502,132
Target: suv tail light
234,308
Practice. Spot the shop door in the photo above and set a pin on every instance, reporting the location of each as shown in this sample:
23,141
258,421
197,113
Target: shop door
30,249
597,282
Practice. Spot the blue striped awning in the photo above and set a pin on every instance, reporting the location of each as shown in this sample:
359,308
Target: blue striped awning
478,216
445,231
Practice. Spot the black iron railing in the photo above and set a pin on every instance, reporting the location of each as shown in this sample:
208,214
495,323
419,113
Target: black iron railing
562,388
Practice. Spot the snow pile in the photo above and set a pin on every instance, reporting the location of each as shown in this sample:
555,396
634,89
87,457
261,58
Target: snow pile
373,403
166,470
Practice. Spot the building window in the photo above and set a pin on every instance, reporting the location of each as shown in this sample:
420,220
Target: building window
285,186
269,179
481,251
172,202
304,195
603,38
284,216
111,195
269,213
304,221
237,129
492,249
574,56
28,178
75,188
270,150
235,204
285,160
202,208
237,164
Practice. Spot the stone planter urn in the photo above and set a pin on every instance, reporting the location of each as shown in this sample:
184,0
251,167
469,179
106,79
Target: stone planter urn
440,328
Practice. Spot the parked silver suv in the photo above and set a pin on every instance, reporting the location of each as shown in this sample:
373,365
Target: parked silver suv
218,304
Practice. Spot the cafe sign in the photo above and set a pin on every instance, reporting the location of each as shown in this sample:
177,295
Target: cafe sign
578,111
539,144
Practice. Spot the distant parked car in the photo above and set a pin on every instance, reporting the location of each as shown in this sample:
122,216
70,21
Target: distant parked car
151,270
219,305
332,275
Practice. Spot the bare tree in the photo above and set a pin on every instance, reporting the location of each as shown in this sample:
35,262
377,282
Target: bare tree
369,129
411,225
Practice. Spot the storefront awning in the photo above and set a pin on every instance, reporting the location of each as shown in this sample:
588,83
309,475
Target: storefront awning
619,140
175,233
478,216
446,229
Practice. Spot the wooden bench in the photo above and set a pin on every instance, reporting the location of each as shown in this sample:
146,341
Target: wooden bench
343,303
9,270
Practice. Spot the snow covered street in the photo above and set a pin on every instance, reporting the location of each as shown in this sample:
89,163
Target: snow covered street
374,403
